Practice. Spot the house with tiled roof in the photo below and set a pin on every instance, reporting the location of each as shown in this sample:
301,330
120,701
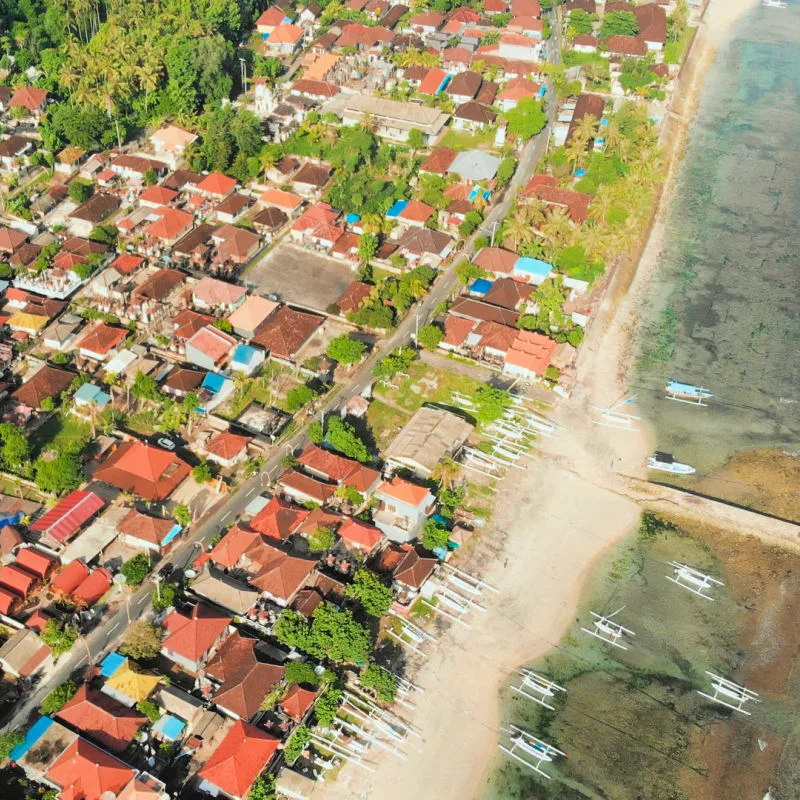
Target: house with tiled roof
224,591
402,508
250,316
155,196
530,355
495,260
281,576
546,189
286,331
302,488
216,185
439,161
242,678
187,323
312,218
330,466
193,637
473,116
284,39
298,702
624,46
240,758
18,581
425,246
416,213
234,244
209,348
29,98
212,293
358,535
169,226
37,562
410,570
143,470
464,86
24,655
143,531
286,201
86,772
170,143
270,19
102,342
232,547
279,519
227,449
102,719
434,82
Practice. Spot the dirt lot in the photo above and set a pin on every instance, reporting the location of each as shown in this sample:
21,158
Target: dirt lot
300,277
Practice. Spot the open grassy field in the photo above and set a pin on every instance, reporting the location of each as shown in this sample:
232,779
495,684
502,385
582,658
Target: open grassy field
632,722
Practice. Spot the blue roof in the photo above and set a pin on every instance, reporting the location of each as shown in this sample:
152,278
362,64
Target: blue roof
111,663
244,354
543,91
397,209
173,533
351,218
533,266
12,519
35,732
481,286
90,393
169,727
213,382
444,83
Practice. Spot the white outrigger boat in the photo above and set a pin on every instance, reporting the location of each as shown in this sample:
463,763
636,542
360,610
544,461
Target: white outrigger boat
687,393
666,463
774,3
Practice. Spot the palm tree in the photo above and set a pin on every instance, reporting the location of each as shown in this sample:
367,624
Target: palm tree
612,135
518,228
446,472
587,127
576,148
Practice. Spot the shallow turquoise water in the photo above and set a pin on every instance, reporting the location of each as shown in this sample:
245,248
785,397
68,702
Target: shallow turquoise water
724,309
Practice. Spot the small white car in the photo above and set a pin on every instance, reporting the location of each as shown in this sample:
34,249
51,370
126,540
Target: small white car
167,444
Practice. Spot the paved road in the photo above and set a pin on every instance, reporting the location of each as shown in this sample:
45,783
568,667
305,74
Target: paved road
111,630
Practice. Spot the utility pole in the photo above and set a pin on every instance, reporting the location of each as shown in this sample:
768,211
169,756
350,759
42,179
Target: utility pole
243,65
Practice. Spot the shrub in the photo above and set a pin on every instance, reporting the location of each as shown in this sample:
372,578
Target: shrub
434,536
371,592
136,569
58,697
381,680
298,742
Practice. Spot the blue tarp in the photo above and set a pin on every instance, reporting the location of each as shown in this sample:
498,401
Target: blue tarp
173,533
579,173
480,286
533,266
213,382
476,190
12,519
443,84
169,727
397,209
111,663
351,218
36,731
543,91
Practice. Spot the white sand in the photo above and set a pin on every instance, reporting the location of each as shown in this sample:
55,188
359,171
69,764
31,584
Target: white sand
558,517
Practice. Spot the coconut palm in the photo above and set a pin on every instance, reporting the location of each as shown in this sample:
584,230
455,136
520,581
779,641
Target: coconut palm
446,472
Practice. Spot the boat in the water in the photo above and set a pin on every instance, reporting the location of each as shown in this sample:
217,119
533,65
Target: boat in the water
666,463
687,393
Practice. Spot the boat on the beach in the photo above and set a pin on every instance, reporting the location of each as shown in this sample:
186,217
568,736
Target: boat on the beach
687,393
666,463
774,3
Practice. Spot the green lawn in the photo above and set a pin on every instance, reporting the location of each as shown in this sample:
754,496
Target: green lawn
385,422
61,430
675,51
426,385
461,140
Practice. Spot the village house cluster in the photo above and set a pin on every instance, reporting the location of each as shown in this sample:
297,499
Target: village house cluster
164,332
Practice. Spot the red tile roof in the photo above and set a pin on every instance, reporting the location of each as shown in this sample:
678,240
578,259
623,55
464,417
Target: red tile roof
148,471
278,519
417,211
297,702
546,188
127,263
158,195
413,569
338,468
9,602
47,382
439,161
281,199
432,82
171,223
212,342
285,34
158,285
294,482
360,534
11,240
625,45
17,580
354,296
102,339
194,635
314,216
70,578
456,330
286,331
496,260
281,576
186,323
92,588
101,718
29,98
315,88
239,760
404,491
144,527
36,561
272,17
227,445
531,351
426,19
217,184
233,545
69,515
85,772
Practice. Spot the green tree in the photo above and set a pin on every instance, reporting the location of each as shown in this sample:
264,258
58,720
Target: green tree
381,680
349,494
164,596
48,404
16,449
263,788
8,741
434,536
333,633
223,325
300,672
80,191
506,170
149,709
298,397
416,141
59,636
150,177
296,743
393,364
142,641
327,706
342,437
618,23
321,539
315,432
373,595
346,350
59,696
367,247
145,387
202,472
136,569
430,336
182,515
490,404
468,272
59,475
581,22
526,119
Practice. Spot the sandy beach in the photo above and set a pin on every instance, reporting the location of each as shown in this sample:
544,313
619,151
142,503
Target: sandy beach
552,523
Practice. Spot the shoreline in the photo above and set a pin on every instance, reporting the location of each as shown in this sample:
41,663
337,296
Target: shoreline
551,541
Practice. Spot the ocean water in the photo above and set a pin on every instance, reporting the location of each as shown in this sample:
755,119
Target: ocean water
724,308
